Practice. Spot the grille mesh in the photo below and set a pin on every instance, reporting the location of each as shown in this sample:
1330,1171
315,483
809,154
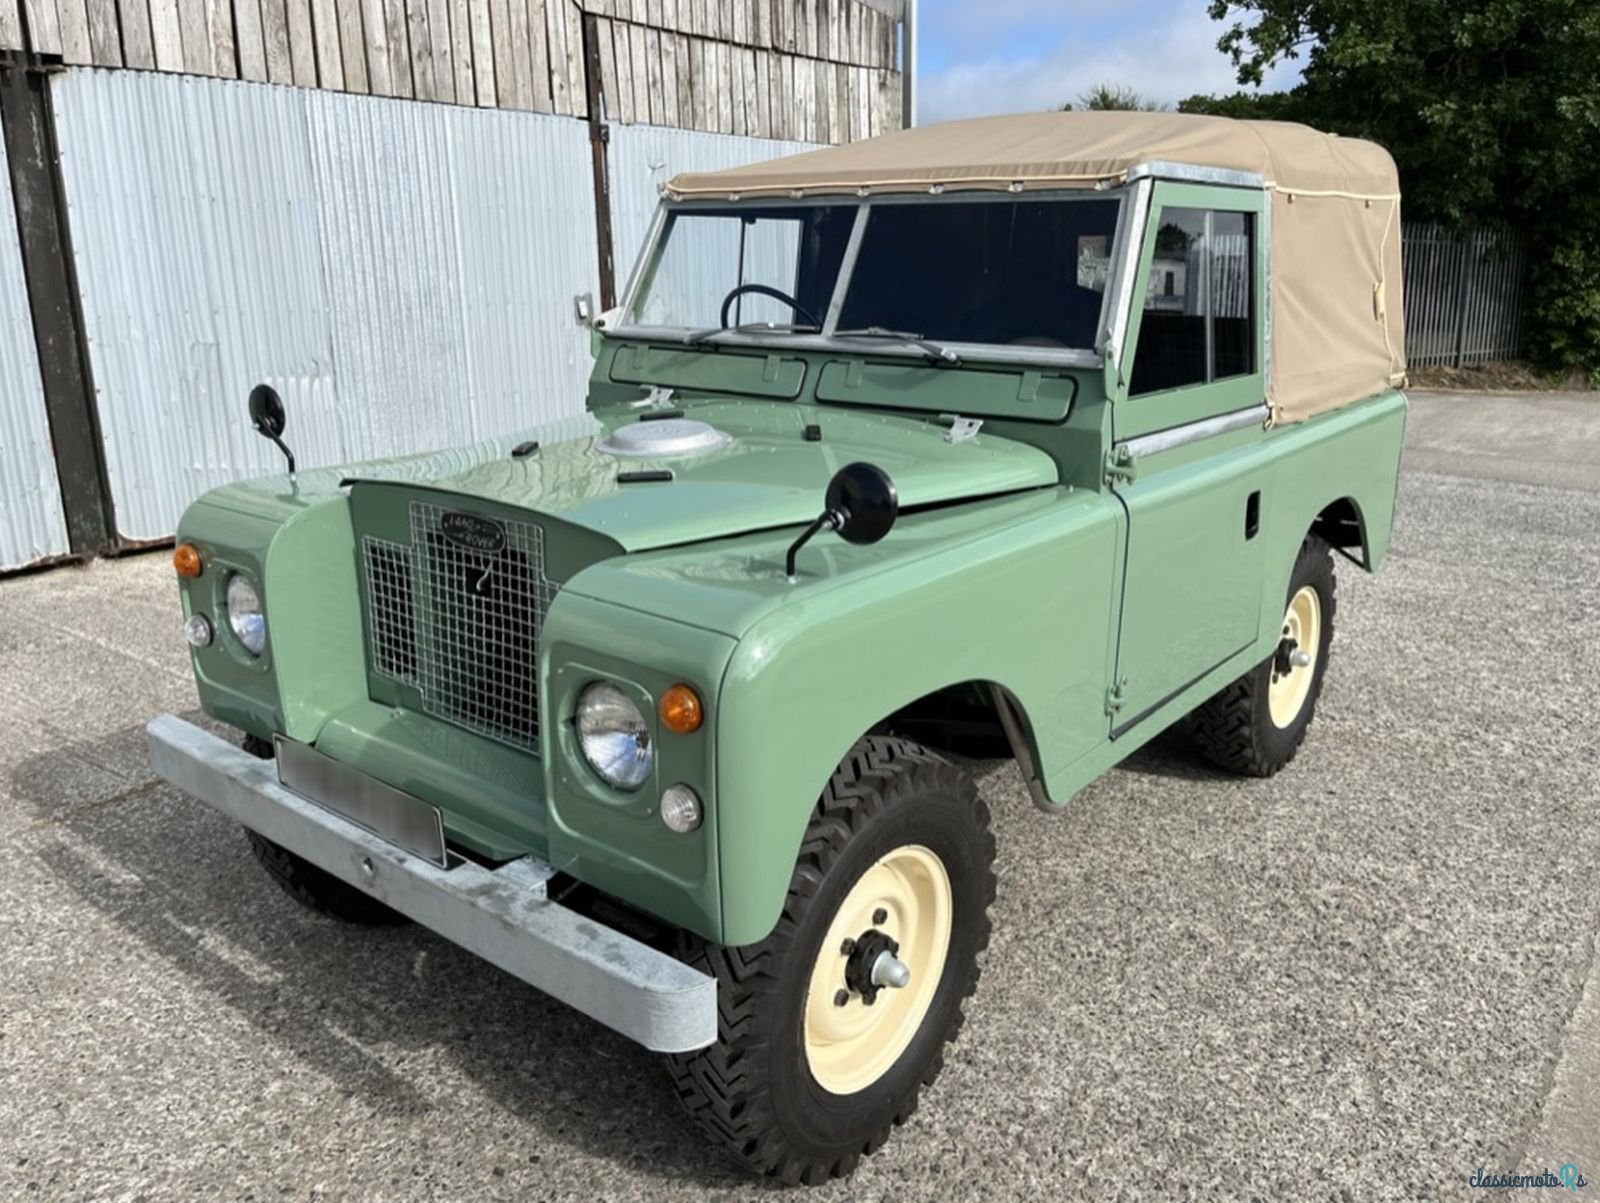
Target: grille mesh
389,606
462,625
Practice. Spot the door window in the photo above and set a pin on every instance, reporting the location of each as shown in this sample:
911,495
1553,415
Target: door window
1199,321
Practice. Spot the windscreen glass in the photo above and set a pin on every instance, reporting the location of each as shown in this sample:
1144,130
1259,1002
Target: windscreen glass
763,264
1018,273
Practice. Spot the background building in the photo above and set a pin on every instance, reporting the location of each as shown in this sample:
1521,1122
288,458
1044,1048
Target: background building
397,236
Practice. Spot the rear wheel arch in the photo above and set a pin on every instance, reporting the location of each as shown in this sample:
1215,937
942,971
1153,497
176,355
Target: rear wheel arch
1341,524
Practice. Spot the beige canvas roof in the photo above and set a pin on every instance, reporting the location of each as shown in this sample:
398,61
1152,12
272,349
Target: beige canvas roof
1335,313
1053,150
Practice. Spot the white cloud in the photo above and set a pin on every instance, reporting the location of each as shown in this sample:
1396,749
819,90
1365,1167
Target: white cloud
1166,63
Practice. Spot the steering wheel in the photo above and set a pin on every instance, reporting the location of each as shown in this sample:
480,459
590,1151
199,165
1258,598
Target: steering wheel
766,291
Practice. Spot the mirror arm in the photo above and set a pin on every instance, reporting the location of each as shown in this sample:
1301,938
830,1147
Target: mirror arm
829,521
278,439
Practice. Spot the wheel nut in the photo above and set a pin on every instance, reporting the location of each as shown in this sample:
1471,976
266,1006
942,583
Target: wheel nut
840,998
847,947
880,916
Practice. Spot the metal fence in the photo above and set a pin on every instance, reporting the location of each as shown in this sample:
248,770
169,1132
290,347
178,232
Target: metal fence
1464,295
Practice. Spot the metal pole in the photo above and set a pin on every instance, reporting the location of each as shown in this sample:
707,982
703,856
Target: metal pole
908,64
28,125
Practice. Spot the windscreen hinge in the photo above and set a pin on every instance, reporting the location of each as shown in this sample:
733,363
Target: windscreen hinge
1120,467
963,430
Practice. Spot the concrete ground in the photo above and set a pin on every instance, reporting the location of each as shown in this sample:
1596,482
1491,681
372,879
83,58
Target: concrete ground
1360,980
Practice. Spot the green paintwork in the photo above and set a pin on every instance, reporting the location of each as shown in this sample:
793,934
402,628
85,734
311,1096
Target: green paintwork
1037,395
1108,605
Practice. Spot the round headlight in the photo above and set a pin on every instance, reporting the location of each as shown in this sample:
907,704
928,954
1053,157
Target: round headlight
613,736
248,624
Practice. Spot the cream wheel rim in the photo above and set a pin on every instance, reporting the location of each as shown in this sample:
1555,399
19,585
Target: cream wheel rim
906,896
1291,682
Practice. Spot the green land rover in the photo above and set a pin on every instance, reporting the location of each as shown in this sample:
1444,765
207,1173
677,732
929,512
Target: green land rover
1035,431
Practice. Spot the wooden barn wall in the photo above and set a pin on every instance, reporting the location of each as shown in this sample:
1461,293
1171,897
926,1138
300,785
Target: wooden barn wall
813,70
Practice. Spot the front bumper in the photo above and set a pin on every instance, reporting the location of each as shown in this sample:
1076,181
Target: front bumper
502,915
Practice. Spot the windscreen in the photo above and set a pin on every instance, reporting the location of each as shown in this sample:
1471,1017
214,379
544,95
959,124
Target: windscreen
1003,272
764,264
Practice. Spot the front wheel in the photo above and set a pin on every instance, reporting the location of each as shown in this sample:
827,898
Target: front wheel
829,1028
1257,724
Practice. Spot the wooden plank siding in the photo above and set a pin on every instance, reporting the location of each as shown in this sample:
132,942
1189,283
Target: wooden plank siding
812,70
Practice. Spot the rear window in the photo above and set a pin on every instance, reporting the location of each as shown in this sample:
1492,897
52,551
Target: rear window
1020,273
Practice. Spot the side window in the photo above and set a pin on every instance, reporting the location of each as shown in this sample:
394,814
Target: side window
1199,305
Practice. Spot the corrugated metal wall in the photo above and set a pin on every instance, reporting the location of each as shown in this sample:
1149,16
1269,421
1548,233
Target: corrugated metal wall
403,274
643,157
32,525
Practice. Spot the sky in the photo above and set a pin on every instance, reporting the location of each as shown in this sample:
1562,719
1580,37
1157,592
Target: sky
1014,56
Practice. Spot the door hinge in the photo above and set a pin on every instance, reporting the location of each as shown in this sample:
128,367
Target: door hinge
1116,696
1120,466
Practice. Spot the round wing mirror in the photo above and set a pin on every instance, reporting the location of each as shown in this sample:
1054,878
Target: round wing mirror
266,411
863,503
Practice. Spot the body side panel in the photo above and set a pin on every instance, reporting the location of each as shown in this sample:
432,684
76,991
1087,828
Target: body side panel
1028,606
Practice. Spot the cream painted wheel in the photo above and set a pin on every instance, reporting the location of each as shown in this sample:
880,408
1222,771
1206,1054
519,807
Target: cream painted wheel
850,1042
1291,680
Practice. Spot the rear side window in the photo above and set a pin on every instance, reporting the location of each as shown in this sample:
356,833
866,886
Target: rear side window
1200,304
1011,273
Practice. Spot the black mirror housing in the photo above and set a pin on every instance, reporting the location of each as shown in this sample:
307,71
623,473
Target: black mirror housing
863,502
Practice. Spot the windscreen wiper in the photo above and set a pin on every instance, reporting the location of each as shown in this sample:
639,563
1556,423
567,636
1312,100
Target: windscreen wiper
697,337
935,352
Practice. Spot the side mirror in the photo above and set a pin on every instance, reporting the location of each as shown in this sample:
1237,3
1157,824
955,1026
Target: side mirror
268,417
266,411
863,503
861,506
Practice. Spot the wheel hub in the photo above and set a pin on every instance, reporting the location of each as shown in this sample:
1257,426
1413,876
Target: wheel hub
874,964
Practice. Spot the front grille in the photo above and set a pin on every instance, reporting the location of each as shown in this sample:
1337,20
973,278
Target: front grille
461,625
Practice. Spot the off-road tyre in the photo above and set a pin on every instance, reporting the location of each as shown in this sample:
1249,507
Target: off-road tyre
1235,729
314,888
753,1091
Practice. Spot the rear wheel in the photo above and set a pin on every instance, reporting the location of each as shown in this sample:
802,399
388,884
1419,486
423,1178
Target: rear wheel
1257,724
314,888
830,1027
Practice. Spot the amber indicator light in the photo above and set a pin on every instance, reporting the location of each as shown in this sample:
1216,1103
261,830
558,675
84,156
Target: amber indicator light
186,560
681,710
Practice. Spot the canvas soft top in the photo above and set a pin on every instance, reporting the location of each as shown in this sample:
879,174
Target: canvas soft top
1335,305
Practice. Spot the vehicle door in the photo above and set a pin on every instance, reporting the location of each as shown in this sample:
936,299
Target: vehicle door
1187,459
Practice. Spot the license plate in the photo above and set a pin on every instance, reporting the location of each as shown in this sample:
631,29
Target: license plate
405,821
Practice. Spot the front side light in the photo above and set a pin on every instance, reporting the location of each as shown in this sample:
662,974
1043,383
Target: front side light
680,809
186,561
613,736
197,630
681,711
245,619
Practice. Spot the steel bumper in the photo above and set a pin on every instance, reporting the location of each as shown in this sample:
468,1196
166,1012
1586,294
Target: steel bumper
502,915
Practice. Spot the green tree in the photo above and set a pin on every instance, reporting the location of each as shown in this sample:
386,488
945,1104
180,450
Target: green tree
1106,97
1490,107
